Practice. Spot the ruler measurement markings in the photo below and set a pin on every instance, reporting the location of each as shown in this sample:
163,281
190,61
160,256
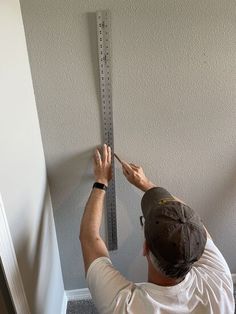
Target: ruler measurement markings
106,102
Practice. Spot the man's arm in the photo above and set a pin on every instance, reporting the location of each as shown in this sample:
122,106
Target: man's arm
92,244
136,176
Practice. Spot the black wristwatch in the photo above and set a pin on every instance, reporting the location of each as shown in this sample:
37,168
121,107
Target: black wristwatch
100,186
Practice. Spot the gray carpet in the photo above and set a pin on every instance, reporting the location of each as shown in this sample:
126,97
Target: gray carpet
81,307
87,306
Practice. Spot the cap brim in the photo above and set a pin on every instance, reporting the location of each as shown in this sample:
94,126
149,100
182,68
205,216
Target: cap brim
153,198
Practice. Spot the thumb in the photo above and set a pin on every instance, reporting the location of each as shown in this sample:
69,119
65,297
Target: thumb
127,167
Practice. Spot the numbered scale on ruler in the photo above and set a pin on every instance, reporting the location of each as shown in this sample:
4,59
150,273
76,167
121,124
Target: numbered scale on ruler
104,56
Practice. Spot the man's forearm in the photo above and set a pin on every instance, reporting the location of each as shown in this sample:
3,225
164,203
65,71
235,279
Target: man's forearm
146,185
92,216
92,244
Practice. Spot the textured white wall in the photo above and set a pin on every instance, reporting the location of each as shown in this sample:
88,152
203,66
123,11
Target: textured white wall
23,180
174,71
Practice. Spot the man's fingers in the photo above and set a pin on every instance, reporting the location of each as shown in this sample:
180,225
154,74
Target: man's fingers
125,172
97,157
109,154
136,167
104,153
127,167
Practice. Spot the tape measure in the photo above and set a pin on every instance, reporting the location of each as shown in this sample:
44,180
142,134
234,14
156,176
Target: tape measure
104,57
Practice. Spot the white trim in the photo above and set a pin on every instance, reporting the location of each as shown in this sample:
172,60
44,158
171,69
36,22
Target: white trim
234,278
64,303
79,294
11,269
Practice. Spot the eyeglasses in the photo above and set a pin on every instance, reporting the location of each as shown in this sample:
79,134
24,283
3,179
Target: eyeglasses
141,218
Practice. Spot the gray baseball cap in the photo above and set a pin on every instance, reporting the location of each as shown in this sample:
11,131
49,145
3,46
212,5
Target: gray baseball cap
174,232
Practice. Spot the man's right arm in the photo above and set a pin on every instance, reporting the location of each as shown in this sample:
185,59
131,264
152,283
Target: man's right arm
136,176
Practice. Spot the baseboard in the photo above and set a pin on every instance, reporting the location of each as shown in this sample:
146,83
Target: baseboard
79,294
84,294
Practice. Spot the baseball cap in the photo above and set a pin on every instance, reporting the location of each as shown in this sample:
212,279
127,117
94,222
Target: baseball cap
174,232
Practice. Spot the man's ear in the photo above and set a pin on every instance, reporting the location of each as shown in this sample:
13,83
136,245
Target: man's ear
145,248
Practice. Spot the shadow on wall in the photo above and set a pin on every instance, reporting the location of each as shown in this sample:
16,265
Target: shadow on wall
70,183
225,191
69,174
37,260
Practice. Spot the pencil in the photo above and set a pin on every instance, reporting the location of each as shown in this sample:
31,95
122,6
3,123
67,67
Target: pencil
118,158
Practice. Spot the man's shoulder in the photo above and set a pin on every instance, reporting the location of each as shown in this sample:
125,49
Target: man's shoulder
99,262
212,258
211,269
107,284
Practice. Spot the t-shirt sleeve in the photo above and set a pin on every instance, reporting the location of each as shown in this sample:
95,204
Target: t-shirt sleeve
213,262
107,286
214,280
212,258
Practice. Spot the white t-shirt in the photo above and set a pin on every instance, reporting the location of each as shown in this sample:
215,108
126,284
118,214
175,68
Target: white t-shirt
206,289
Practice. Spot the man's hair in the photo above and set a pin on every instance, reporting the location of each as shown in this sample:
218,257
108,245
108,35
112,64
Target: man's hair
168,269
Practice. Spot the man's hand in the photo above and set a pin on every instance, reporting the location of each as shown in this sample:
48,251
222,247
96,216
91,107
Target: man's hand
102,165
135,175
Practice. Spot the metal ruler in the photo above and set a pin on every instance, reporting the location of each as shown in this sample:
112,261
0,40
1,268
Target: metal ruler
104,56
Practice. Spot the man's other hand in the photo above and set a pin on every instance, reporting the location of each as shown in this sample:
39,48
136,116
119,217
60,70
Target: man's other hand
135,175
102,165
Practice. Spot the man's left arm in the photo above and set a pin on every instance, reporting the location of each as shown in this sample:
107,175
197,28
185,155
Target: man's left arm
92,244
109,289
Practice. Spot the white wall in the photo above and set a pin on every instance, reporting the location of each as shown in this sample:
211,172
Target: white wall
23,180
174,72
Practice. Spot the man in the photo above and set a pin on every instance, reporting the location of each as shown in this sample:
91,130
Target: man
186,271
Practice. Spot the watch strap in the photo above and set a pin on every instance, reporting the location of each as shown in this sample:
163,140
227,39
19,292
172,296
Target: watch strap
100,186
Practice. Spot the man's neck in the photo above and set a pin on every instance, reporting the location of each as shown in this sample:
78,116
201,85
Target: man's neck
165,282
157,278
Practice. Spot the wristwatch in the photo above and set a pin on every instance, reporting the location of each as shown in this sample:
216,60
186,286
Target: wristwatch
100,186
